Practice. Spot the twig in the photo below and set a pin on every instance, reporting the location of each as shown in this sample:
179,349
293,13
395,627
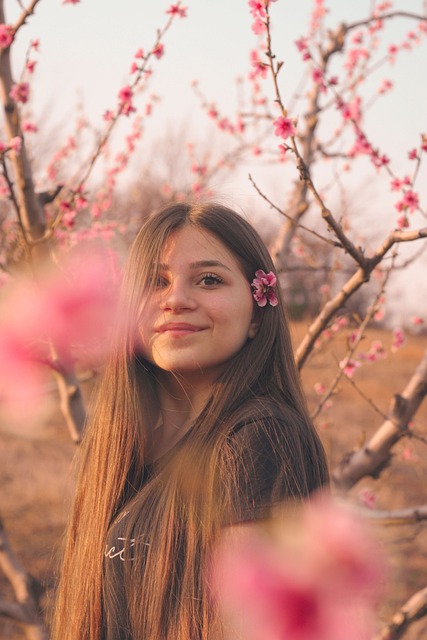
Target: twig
414,609
332,243
25,610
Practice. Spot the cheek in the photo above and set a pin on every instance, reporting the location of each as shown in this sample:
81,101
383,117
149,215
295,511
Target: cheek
144,326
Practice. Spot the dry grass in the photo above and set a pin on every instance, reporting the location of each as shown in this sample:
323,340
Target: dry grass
35,470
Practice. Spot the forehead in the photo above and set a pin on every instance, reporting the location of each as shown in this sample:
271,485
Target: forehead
192,244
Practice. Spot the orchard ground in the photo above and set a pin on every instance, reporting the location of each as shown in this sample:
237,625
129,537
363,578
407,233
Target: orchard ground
36,477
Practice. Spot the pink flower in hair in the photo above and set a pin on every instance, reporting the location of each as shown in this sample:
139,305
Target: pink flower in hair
264,285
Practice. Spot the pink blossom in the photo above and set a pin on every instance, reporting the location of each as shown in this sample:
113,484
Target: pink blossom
395,184
384,6
386,85
35,44
417,321
319,388
21,374
376,352
259,68
125,101
158,50
352,110
379,160
368,498
402,222
6,35
284,127
410,200
358,37
73,309
264,285
301,44
30,66
258,26
354,56
398,340
314,575
257,8
108,116
349,366
20,92
317,76
16,144
177,10
200,169
70,1
408,455
412,154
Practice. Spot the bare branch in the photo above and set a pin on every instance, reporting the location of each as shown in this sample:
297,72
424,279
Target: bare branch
25,611
414,609
25,14
292,220
411,515
385,16
375,455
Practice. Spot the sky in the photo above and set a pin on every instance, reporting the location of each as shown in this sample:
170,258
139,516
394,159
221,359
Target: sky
86,51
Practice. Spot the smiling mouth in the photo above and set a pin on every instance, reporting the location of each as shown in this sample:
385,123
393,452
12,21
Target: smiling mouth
178,329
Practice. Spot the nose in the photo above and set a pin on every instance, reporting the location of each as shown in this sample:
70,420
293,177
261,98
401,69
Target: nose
177,297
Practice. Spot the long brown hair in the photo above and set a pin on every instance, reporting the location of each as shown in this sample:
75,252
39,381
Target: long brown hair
166,589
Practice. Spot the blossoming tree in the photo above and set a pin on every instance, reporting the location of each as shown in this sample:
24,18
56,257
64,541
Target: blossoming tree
324,124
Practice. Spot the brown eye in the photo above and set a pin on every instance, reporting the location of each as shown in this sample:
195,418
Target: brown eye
210,279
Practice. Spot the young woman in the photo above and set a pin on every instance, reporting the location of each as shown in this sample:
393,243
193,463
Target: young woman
200,425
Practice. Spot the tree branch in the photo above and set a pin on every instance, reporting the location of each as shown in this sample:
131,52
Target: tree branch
25,611
414,609
375,455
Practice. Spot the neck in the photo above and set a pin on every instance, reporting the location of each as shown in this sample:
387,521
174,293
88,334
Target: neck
180,402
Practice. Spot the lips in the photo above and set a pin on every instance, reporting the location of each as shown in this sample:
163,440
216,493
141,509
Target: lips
178,328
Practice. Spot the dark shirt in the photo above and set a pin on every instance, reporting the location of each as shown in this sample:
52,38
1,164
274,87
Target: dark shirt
264,453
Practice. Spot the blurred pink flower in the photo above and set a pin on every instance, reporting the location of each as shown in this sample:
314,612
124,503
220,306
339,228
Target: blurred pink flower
158,50
71,309
398,339
16,144
349,366
177,10
29,127
6,35
20,92
125,101
319,388
368,498
313,575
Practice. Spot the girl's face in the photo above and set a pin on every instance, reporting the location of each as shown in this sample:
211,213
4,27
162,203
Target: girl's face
201,312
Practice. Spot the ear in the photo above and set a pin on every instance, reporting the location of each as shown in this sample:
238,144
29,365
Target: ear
253,329
254,326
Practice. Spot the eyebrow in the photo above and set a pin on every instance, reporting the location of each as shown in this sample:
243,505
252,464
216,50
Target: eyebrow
200,263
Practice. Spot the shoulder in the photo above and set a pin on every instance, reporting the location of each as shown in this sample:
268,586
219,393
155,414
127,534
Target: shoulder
276,455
